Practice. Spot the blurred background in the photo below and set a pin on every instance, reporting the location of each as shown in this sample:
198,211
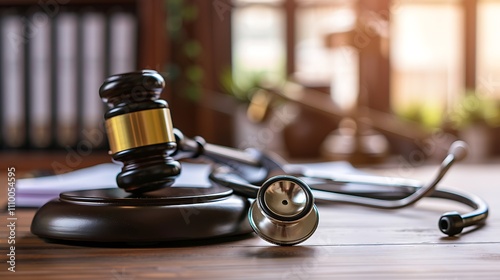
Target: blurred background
356,80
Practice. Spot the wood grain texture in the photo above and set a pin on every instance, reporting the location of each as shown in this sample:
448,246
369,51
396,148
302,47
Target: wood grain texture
351,242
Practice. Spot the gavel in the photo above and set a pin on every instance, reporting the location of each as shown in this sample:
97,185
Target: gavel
141,134
140,131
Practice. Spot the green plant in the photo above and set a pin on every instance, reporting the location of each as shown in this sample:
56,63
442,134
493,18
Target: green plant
185,68
475,108
242,89
428,115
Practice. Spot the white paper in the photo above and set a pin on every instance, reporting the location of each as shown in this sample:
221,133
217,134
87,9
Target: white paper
34,192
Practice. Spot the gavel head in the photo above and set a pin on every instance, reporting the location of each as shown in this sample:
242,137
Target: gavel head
140,131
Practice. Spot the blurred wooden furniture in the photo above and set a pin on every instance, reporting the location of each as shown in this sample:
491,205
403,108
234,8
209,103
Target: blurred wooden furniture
54,55
350,243
32,16
154,48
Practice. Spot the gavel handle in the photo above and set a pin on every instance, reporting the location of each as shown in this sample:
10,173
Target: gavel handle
193,148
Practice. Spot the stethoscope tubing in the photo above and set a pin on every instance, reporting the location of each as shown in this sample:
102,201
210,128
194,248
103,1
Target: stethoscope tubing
382,196
229,164
383,199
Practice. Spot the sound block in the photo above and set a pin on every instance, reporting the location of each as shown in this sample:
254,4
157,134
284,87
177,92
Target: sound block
169,214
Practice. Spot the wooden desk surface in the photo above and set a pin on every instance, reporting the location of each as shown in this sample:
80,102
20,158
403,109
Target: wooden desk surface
351,242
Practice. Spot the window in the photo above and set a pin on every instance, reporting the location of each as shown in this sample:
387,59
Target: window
323,54
258,46
426,58
435,50
488,44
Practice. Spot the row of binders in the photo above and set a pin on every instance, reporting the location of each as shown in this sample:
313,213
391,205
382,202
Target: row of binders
51,69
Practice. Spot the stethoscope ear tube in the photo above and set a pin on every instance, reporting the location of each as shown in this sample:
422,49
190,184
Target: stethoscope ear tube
452,223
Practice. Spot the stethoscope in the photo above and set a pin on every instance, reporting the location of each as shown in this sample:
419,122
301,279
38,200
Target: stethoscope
283,209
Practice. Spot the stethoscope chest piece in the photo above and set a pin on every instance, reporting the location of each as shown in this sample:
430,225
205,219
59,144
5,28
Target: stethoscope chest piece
284,212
